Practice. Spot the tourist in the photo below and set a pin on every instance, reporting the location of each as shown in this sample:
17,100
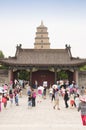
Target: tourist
20,91
50,92
82,107
56,99
66,98
0,101
33,98
29,101
53,95
72,102
40,93
17,99
11,97
44,92
82,92
4,100
29,91
77,100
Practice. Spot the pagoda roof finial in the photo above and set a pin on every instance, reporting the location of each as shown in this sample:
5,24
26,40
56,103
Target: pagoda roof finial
42,22
42,25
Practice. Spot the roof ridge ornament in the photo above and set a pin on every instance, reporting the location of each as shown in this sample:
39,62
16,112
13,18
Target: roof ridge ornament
68,46
19,46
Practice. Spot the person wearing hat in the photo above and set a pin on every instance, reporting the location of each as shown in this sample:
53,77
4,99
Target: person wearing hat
56,99
82,108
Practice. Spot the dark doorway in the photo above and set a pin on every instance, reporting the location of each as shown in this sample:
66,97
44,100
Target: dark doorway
43,75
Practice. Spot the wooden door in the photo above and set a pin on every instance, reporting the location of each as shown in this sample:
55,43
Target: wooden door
43,75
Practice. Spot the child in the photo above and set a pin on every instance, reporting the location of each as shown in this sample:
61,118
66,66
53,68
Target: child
4,100
72,102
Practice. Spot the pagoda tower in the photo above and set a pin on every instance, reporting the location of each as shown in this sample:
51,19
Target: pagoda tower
42,39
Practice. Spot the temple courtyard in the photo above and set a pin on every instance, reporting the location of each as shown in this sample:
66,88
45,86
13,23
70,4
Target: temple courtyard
41,117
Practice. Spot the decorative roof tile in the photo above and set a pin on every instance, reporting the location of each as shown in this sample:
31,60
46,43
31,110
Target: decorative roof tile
59,57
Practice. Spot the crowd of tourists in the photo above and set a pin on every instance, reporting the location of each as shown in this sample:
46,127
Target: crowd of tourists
72,95
7,93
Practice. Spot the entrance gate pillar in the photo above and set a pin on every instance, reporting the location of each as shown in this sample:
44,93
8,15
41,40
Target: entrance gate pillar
30,76
75,76
55,70
10,75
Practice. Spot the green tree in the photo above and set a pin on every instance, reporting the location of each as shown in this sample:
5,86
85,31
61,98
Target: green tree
23,75
62,75
83,68
1,54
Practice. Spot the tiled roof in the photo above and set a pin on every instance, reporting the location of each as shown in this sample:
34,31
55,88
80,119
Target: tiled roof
59,57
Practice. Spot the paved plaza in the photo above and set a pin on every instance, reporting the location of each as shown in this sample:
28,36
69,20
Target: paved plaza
41,117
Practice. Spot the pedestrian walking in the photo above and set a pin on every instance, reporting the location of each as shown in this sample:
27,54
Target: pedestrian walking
56,99
17,99
11,97
30,101
82,108
50,92
40,93
77,100
4,100
29,93
72,102
0,101
66,98
44,92
53,95
33,98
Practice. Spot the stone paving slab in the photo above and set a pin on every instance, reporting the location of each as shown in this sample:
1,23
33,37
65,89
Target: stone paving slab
41,117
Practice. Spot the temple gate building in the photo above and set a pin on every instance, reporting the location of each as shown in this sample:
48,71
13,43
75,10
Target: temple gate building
42,62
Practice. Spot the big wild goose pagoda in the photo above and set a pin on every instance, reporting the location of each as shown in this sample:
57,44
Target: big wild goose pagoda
42,62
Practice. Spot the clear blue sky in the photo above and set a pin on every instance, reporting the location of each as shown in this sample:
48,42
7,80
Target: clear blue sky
65,19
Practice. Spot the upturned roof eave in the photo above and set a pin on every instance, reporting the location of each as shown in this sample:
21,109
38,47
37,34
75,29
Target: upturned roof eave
44,64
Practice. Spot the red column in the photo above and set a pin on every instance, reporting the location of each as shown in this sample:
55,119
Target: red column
10,75
75,76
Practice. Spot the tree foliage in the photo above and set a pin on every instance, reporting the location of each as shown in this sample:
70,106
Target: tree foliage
23,75
83,68
62,75
1,54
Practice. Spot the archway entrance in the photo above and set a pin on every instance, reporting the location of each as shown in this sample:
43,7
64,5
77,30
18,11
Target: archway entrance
43,75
